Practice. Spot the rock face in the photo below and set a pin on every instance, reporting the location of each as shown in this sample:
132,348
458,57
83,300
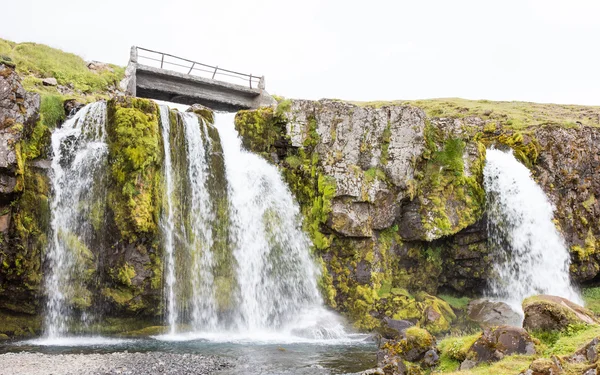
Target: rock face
492,314
23,203
496,343
549,313
394,200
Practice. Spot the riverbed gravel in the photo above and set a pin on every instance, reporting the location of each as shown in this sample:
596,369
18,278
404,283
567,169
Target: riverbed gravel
122,363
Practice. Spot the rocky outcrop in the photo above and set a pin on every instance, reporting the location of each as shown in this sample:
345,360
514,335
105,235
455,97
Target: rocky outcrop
23,201
550,313
393,199
568,168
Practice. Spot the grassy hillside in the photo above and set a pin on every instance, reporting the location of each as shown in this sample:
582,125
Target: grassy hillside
35,62
518,115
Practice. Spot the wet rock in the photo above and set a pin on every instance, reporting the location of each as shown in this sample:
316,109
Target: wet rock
49,81
492,313
549,313
72,106
496,343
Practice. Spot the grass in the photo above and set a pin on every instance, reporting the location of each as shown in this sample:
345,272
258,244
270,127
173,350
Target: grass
591,296
37,61
518,115
454,349
510,365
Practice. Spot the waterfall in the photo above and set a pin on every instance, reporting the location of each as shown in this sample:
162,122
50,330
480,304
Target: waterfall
201,217
79,159
244,267
276,275
167,220
532,257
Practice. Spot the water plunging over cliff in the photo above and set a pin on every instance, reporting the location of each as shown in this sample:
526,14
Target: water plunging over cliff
532,255
244,266
276,275
79,159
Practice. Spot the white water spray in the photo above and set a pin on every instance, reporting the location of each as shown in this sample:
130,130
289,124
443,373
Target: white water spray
532,255
79,154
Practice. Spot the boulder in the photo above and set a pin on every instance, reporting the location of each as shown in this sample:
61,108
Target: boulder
544,366
488,314
496,343
49,81
393,329
548,313
416,347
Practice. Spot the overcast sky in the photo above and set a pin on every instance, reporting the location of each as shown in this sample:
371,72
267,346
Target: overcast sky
533,50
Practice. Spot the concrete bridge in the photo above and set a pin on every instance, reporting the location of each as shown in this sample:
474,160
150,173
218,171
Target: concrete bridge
156,75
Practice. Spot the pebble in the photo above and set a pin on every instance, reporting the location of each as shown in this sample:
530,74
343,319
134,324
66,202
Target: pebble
110,364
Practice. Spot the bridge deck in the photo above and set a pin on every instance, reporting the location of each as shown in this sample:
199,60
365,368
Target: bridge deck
184,88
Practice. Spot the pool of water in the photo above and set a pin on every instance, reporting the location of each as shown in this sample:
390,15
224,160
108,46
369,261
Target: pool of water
250,355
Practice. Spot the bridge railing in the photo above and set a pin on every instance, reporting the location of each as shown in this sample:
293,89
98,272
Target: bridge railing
181,65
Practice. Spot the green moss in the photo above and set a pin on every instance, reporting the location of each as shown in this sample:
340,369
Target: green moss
19,325
451,194
125,273
261,129
454,349
457,303
135,157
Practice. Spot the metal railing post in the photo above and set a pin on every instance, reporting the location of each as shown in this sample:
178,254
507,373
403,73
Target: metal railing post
191,68
215,72
162,59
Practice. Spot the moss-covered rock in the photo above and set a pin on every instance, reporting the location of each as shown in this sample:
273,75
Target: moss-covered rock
552,313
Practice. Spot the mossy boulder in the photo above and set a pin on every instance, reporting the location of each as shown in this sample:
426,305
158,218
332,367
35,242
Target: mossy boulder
416,347
552,313
494,344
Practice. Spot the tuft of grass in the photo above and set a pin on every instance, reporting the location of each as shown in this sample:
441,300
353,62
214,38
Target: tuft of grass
591,296
52,111
516,115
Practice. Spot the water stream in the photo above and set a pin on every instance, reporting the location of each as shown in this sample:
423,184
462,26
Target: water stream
532,257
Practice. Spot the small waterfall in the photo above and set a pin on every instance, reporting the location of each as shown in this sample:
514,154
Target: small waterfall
276,276
201,217
532,255
167,220
80,152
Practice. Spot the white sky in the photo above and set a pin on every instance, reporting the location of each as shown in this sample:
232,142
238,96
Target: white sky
533,50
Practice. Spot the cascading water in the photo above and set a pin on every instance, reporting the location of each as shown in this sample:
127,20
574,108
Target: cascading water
79,159
532,257
167,221
201,216
275,272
